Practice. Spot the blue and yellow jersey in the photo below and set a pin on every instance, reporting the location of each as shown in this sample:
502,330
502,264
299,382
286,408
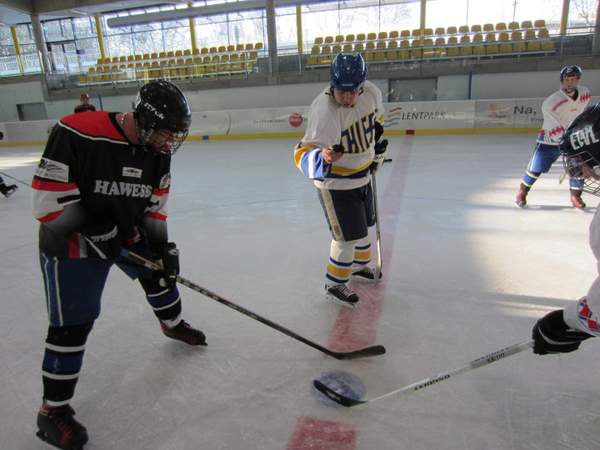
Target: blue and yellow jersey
353,127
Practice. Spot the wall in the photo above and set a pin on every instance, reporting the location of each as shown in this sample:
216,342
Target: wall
449,87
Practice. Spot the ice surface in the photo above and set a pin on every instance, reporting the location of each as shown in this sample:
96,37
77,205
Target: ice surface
466,273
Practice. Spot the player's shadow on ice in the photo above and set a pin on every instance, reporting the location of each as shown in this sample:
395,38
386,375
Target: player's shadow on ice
588,209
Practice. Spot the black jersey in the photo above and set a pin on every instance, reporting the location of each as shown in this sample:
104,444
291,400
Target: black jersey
89,173
583,135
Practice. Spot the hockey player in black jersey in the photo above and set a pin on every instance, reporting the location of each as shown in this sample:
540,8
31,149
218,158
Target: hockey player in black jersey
563,330
102,185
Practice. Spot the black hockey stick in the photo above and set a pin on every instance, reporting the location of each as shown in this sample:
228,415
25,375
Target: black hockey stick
16,179
426,382
362,353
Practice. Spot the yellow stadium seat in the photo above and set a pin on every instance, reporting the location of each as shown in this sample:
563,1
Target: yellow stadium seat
479,49
439,31
230,48
505,47
428,32
464,29
501,26
416,32
478,37
214,49
325,50
548,45
503,37
162,55
249,46
204,51
466,51
440,41
513,26
382,35
394,34
452,52
371,36
540,23
391,55
453,40
393,44
349,38
526,24
347,48
315,50
475,28
359,47
381,45
220,49
371,45
465,39
488,27
239,47
339,38
318,40
405,33
533,46
543,34
404,43
336,48
490,37
328,40
258,46
360,37
451,30
491,49
530,35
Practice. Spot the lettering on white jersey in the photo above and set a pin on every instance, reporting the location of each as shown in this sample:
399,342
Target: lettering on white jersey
53,170
120,188
357,138
132,172
583,137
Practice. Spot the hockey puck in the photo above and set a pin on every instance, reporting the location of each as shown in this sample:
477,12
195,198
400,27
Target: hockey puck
344,383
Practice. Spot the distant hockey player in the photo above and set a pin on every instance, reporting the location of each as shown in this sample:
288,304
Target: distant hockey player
102,184
7,190
559,110
341,145
562,331
84,104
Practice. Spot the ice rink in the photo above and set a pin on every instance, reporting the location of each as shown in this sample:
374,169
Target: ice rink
465,273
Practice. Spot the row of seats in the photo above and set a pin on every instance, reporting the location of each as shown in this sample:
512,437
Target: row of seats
524,26
158,56
451,47
174,68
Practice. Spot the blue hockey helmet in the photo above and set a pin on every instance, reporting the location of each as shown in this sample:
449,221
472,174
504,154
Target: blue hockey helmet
348,72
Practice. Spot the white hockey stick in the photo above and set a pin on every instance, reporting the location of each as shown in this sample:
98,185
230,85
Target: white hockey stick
377,230
426,382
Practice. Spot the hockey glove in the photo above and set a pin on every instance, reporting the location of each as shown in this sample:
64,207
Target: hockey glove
168,253
552,335
102,238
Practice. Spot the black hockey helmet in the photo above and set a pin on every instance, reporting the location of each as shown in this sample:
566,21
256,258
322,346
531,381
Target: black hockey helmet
161,105
580,147
348,72
570,71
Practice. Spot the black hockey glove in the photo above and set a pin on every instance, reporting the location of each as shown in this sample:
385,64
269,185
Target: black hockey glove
552,335
102,237
168,253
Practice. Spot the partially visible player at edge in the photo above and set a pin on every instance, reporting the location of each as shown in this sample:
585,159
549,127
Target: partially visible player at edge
559,110
102,185
562,331
338,151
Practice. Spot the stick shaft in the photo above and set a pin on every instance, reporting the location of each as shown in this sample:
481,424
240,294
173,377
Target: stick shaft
475,364
13,178
369,351
379,266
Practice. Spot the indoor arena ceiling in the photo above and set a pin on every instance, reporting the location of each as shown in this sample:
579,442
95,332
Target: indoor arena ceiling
14,11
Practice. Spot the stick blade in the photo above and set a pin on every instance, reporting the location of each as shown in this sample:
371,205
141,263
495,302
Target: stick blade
367,352
338,398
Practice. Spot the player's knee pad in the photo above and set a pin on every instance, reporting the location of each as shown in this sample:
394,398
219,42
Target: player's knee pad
69,336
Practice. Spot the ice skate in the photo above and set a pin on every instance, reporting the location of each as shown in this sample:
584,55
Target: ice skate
521,200
185,333
576,200
366,274
342,294
58,428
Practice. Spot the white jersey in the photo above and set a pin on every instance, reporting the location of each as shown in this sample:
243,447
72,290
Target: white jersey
559,110
330,123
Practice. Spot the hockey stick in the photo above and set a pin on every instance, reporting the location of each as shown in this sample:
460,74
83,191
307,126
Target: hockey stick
426,382
377,230
16,179
362,353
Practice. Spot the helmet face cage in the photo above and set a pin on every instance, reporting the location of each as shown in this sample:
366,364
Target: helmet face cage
570,71
348,72
584,166
160,105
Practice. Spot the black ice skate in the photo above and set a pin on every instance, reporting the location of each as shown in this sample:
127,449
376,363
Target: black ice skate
366,273
58,428
8,190
342,294
185,333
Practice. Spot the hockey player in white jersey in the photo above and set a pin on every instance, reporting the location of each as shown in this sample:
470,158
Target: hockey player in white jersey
559,110
341,146
562,331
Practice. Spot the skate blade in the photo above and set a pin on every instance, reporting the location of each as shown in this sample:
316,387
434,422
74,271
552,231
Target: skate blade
341,302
